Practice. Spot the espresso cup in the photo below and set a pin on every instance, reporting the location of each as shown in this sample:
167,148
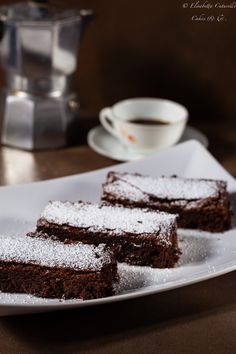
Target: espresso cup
144,125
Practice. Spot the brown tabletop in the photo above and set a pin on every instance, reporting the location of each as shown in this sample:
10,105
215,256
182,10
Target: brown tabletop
196,319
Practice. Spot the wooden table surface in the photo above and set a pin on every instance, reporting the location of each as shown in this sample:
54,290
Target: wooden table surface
196,319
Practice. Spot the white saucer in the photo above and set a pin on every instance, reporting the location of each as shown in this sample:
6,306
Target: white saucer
105,144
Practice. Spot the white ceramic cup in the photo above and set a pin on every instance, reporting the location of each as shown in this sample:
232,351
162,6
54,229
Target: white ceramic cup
141,138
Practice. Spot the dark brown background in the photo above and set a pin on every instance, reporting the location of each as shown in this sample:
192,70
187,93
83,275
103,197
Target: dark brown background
152,48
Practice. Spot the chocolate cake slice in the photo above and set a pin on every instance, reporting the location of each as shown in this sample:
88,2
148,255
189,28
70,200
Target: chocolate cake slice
136,236
200,203
52,269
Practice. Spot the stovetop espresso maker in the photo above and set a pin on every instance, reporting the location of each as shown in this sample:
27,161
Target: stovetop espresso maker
39,46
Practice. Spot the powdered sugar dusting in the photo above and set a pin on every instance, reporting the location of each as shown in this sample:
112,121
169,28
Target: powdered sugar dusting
198,248
126,191
167,187
46,252
98,217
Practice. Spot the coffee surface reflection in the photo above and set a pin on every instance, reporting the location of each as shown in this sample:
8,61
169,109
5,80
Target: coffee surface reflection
148,121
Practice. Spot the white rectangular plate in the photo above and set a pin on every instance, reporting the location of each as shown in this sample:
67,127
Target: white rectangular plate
204,255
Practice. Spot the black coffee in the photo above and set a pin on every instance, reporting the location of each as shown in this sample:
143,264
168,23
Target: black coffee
148,121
